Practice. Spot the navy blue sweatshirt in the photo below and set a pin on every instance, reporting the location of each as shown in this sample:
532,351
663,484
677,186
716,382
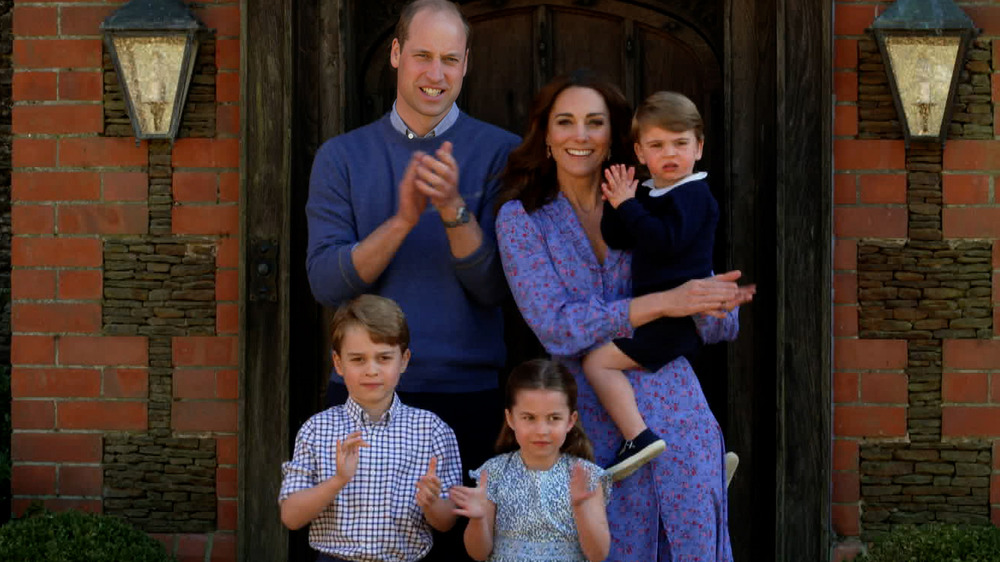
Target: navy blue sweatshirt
671,236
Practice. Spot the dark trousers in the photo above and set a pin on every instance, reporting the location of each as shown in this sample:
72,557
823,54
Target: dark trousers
476,419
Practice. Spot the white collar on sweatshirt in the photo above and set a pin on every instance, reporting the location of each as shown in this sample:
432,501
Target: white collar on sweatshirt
659,191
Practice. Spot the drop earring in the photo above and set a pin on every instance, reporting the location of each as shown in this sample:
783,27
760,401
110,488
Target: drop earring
548,151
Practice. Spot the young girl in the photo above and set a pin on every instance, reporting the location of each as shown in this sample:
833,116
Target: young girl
541,498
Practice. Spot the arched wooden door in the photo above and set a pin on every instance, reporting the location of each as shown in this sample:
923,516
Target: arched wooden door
519,45
761,72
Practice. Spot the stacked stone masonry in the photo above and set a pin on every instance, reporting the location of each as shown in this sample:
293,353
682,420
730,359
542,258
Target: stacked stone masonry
972,116
924,483
161,484
160,287
161,199
924,289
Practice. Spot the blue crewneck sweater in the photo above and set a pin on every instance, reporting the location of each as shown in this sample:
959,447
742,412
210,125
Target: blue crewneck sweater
451,305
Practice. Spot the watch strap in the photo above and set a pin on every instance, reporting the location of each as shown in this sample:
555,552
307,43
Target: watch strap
462,216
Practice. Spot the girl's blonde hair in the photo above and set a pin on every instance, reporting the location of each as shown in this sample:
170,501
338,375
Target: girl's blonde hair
545,374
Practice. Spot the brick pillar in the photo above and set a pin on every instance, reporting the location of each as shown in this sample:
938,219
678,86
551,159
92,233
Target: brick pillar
125,262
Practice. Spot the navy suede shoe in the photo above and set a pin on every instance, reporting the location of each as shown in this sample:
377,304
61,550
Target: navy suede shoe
634,453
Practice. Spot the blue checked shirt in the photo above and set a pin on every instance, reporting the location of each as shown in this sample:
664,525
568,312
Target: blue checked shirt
375,517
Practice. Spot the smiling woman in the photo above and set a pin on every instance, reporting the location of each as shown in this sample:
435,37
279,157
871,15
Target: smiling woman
579,140
573,292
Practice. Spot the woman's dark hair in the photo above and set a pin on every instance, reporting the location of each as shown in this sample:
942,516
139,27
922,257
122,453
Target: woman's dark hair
545,374
530,175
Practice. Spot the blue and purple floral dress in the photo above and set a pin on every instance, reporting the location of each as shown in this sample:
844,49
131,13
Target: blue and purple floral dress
674,508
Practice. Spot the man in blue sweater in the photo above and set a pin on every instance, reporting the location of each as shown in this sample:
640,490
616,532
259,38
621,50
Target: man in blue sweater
404,208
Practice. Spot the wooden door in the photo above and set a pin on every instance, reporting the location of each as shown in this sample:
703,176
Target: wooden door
518,46
759,70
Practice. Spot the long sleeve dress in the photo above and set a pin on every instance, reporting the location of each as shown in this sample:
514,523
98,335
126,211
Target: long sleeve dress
674,508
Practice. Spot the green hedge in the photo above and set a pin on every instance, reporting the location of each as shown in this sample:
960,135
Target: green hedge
74,536
936,543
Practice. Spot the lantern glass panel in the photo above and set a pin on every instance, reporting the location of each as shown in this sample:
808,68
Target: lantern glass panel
923,67
152,69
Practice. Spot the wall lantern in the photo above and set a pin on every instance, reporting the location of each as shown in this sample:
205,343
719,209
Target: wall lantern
923,44
153,44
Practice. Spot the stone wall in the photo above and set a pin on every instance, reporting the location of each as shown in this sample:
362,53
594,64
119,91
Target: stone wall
161,484
905,483
160,287
924,289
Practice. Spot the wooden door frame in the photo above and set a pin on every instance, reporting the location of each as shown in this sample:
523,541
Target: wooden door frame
778,68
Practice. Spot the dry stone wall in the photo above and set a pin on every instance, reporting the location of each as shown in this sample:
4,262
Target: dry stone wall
924,289
160,286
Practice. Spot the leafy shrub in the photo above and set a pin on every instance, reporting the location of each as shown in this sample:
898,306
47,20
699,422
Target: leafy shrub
74,536
937,543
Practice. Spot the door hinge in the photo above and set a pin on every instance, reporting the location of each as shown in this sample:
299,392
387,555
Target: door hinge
264,270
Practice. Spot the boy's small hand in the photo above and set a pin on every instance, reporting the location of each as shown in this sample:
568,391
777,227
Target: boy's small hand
429,486
471,502
579,488
348,453
620,185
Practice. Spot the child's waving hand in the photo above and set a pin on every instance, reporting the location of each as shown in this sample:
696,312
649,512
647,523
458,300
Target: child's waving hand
429,485
579,487
471,502
620,184
348,450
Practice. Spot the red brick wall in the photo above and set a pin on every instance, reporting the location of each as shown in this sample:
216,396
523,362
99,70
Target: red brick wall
73,189
870,201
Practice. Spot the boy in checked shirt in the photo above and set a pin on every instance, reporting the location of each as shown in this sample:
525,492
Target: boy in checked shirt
371,476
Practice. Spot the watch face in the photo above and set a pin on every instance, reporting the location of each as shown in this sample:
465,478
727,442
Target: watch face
462,216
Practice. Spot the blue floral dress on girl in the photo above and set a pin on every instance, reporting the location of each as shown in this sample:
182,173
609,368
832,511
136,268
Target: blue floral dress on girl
534,518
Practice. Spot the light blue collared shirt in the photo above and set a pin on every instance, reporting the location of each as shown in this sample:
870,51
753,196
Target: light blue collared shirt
444,125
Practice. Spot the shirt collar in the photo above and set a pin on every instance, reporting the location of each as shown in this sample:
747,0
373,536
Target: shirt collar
442,126
358,414
658,191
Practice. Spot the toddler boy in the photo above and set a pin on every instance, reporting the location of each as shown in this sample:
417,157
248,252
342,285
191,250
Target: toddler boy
670,227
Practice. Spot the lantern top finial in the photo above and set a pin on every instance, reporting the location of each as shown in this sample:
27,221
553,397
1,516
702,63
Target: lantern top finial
923,15
142,15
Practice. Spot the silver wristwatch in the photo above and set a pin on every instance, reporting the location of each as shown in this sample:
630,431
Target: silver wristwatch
462,216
